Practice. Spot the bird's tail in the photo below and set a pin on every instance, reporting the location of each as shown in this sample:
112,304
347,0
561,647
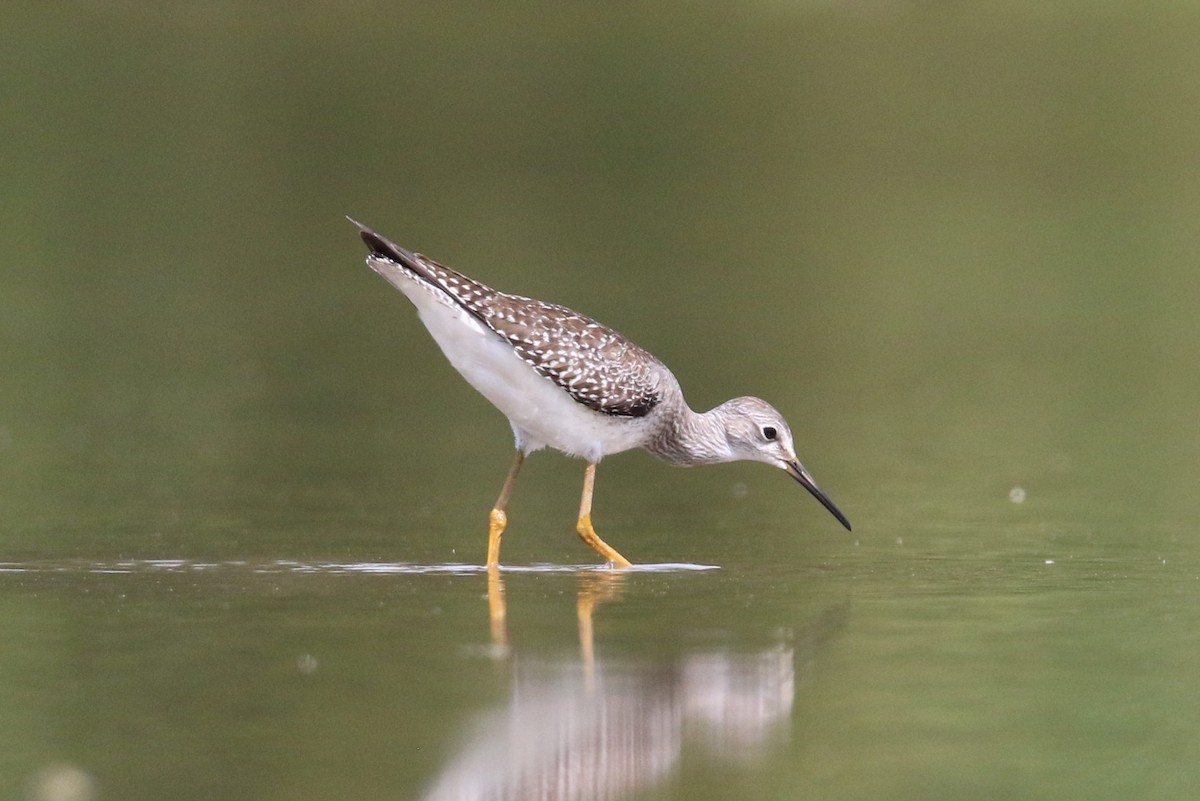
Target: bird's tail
382,246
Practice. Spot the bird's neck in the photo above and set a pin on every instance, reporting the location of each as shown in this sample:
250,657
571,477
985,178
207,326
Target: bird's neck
691,438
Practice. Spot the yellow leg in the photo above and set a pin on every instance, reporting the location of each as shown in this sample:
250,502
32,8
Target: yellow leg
498,519
584,526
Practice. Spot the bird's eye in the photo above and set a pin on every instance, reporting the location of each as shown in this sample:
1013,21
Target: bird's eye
770,433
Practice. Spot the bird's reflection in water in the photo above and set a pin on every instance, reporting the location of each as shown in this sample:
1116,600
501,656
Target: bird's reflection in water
606,730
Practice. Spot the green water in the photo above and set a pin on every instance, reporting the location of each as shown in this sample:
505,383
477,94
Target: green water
243,498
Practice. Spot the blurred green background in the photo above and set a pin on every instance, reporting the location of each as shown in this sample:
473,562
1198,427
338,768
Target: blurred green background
955,243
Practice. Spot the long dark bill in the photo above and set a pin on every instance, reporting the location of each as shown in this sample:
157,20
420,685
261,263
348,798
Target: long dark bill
796,471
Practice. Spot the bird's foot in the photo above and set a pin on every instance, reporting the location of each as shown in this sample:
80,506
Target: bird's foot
589,535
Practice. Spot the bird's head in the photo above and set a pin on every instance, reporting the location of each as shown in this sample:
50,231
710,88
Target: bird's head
756,431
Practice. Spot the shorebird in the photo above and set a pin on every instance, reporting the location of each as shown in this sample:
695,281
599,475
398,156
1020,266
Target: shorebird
570,383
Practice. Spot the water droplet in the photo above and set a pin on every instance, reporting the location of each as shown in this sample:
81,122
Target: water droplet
62,782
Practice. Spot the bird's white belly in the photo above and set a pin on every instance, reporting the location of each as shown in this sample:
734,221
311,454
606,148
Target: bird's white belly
541,412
